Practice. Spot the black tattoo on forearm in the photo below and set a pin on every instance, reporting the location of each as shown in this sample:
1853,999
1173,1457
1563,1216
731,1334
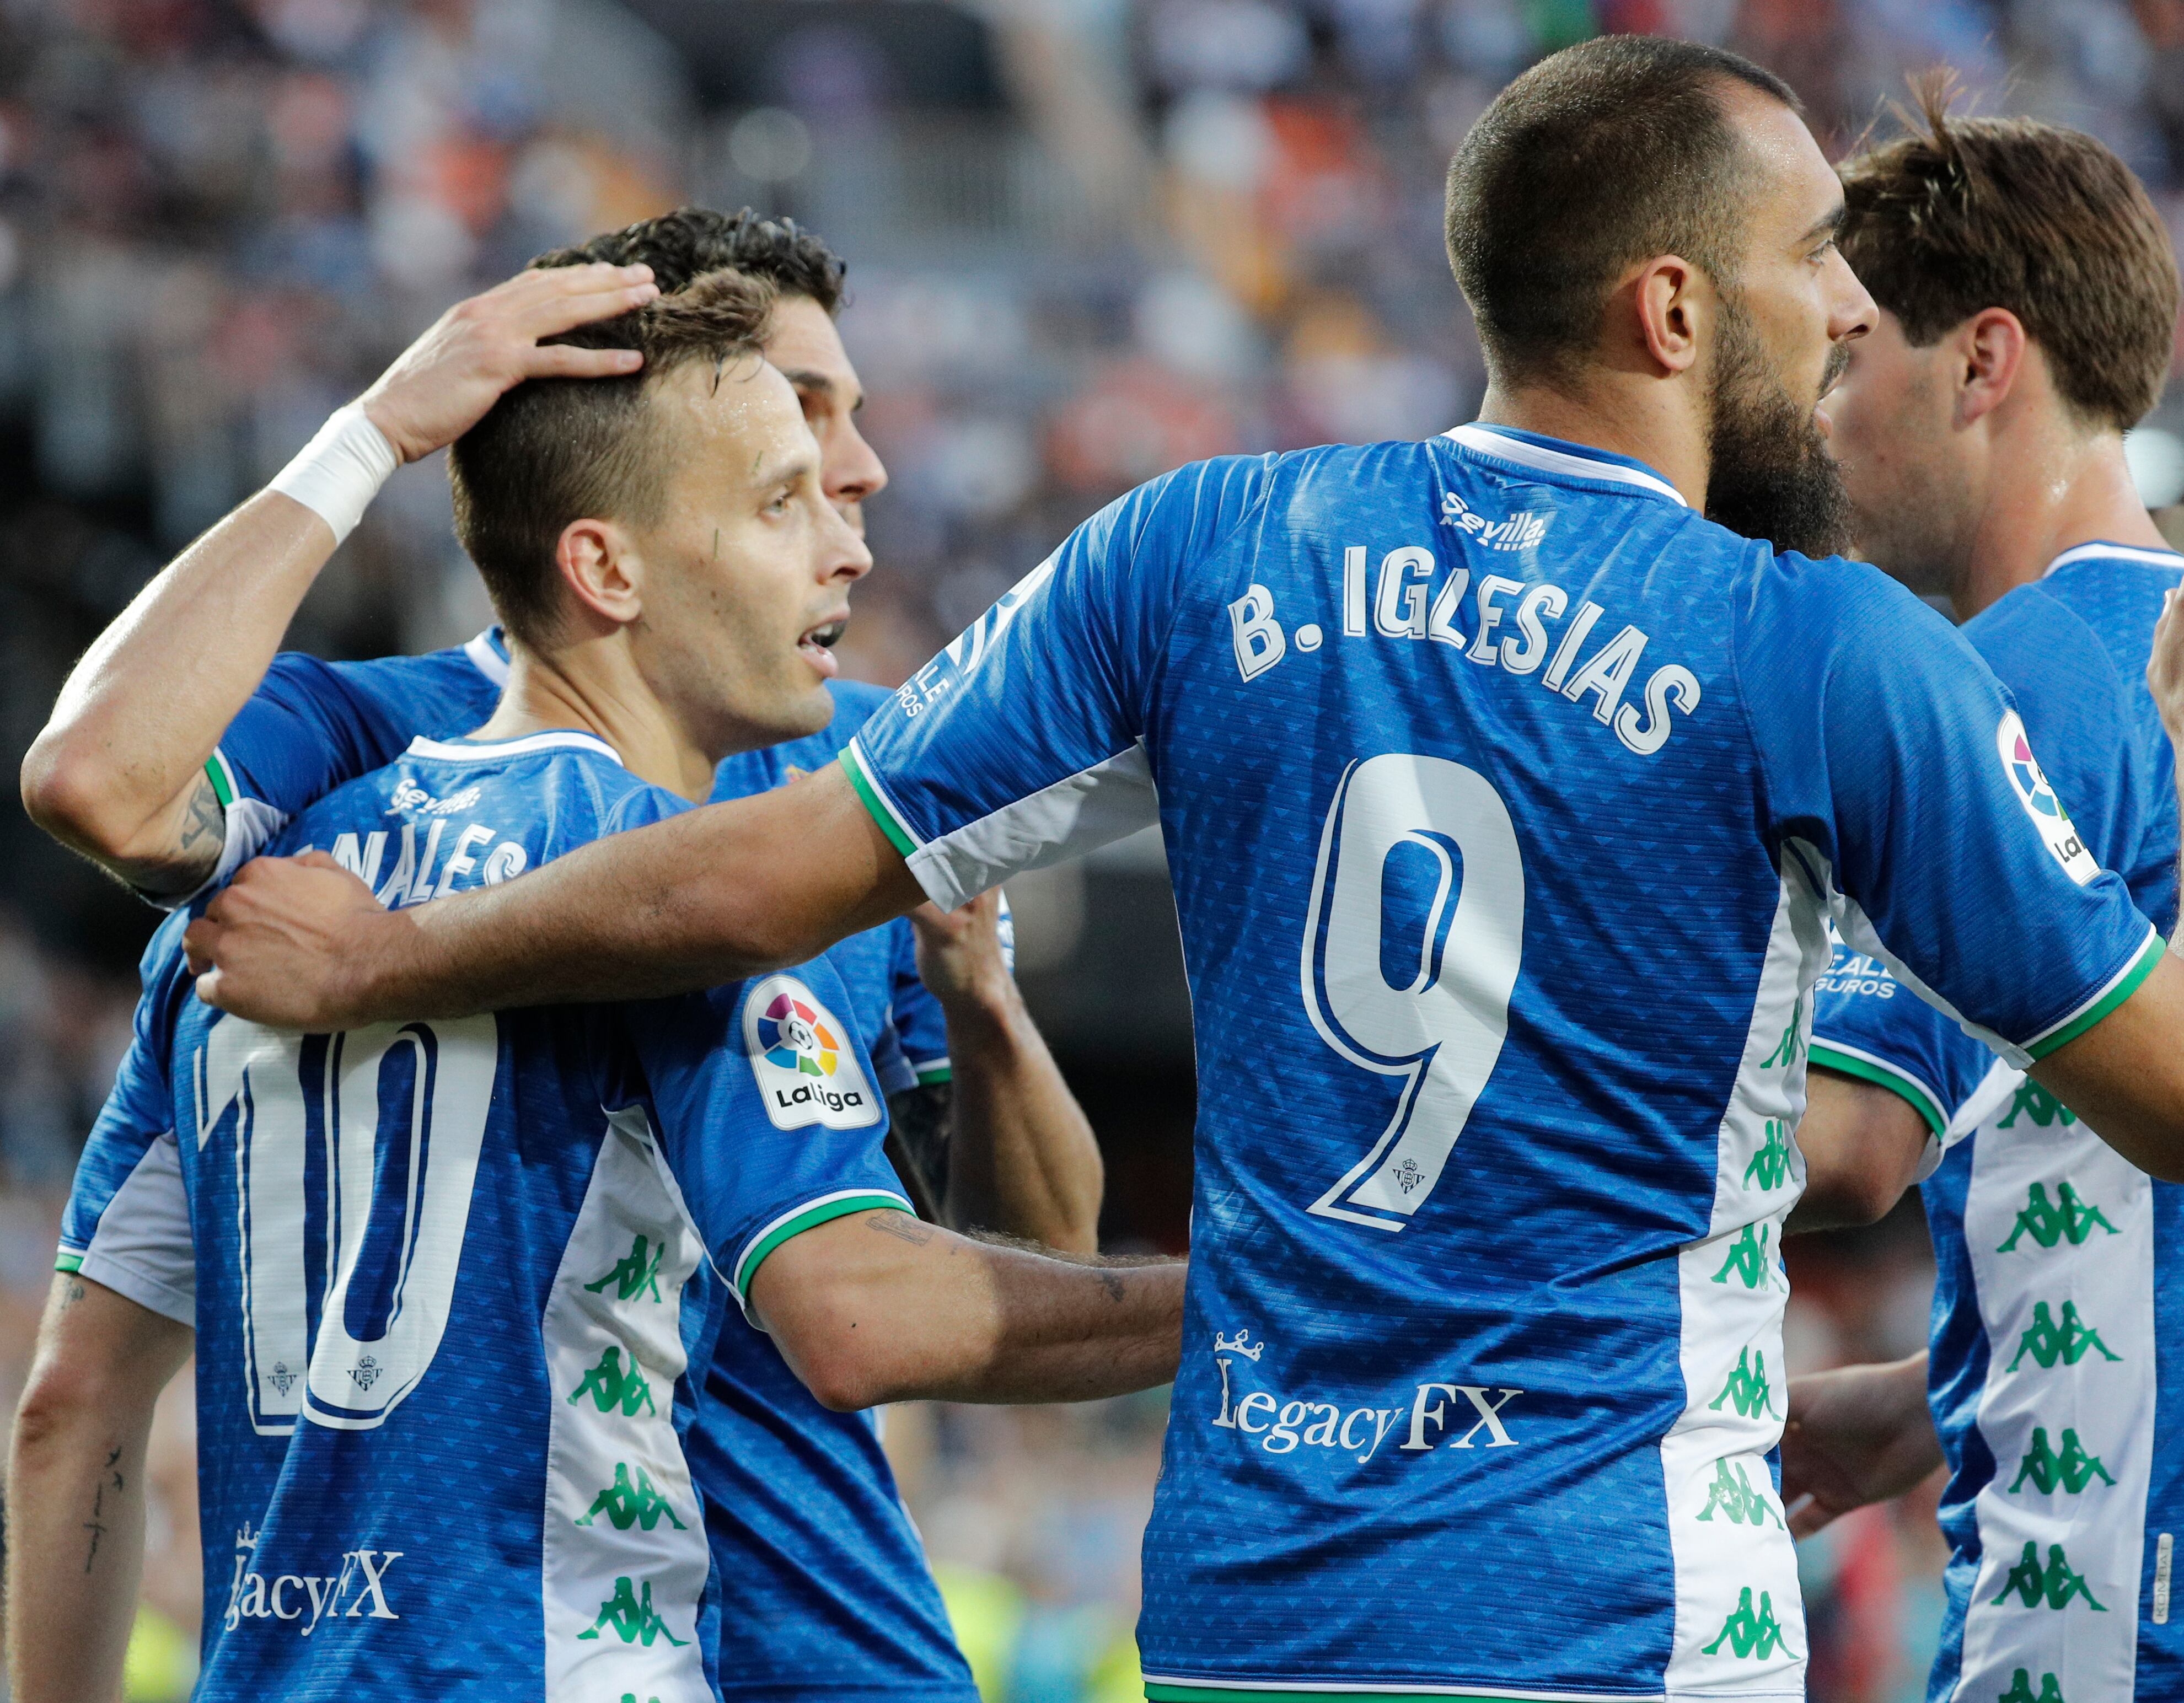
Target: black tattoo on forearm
204,825
95,1525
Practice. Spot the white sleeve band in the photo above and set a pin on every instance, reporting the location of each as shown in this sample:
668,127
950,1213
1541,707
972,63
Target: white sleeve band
338,472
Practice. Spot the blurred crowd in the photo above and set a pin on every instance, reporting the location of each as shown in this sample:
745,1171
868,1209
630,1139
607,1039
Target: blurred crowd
1116,236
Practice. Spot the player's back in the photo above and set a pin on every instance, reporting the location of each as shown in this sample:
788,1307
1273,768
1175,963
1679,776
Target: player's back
453,1277
1505,801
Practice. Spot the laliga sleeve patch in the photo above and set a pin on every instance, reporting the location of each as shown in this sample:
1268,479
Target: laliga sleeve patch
802,1056
2041,803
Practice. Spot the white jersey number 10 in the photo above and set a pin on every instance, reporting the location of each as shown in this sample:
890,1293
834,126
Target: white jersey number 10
1441,1025
396,1116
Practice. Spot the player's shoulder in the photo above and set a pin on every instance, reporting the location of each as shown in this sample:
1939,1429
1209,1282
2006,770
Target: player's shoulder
1836,604
2095,605
474,671
546,792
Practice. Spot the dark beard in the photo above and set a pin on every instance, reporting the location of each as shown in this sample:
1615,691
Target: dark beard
1772,477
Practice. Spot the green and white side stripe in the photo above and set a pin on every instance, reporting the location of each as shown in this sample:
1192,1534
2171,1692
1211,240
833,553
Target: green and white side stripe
934,1071
808,1217
1856,1061
222,777
2120,987
877,801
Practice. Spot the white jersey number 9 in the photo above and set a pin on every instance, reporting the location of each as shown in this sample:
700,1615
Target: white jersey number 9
397,1113
1441,1025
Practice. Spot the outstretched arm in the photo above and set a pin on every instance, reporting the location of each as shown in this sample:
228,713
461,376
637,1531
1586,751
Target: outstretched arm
1021,1158
118,773
1856,1435
879,1307
75,1489
1862,1144
709,897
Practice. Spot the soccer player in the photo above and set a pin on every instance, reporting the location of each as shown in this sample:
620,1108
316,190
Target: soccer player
1019,1158
181,742
456,1283
1506,798
2028,301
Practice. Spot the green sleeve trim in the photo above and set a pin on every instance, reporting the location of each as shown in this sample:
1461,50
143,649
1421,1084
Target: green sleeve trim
1874,1071
931,1075
2118,990
223,781
809,1218
1159,1691
890,825
66,1261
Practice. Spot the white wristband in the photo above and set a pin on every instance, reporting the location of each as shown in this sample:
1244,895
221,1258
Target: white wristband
338,472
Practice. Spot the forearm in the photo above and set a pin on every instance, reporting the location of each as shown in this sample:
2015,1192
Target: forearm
75,1493
115,772
707,898
879,1307
1022,1159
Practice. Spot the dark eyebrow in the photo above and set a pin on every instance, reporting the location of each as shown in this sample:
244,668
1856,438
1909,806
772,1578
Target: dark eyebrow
803,379
1829,224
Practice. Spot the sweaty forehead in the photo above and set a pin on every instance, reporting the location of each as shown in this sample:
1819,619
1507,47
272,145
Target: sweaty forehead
742,420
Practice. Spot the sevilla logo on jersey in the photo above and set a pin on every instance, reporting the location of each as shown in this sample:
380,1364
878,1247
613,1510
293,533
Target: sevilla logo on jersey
806,1071
2040,801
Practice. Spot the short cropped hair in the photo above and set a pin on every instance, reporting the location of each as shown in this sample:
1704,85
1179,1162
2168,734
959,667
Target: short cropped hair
1966,214
692,240
555,450
1599,157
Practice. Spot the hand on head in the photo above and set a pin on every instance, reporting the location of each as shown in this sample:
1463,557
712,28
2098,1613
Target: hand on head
276,946
2164,668
444,383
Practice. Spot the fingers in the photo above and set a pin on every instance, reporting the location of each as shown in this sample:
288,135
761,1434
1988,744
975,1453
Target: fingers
1807,1515
560,360
576,295
314,858
200,941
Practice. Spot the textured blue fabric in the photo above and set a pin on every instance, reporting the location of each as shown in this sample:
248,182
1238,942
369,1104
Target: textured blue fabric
834,1594
1693,740
457,1525
2072,646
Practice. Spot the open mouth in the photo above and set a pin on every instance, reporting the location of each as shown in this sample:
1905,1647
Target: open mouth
818,640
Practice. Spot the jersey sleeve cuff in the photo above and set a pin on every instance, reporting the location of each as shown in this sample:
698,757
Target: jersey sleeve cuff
2120,987
874,800
808,1217
1852,1062
127,1281
934,1071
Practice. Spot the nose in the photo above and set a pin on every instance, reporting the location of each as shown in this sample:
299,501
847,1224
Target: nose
843,554
1851,311
853,472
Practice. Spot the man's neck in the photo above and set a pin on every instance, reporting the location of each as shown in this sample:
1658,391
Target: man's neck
2050,496
593,687
1622,414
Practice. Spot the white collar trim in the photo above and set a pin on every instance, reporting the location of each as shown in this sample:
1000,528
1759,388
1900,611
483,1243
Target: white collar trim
529,743
488,661
2127,553
1484,440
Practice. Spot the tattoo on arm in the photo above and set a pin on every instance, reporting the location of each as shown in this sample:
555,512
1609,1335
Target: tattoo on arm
204,824
72,1293
903,1228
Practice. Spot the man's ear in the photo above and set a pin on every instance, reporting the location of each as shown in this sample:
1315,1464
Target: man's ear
599,564
1988,354
1671,297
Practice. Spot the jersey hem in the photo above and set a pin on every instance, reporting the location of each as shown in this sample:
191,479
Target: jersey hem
808,1217
868,793
2121,987
133,1285
1168,1689
1879,1071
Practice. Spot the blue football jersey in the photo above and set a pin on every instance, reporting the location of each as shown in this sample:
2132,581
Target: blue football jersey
835,1590
2057,1366
532,1228
1506,801
312,725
